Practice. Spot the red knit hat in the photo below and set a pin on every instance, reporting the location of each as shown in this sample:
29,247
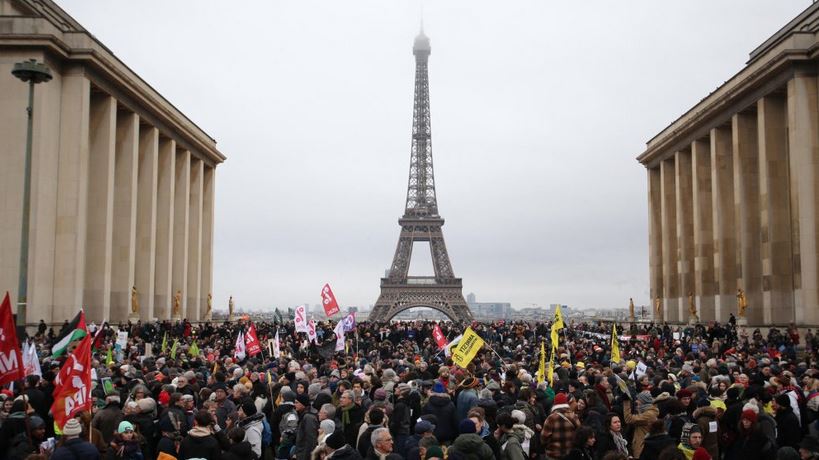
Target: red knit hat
164,398
684,393
749,414
701,454
561,398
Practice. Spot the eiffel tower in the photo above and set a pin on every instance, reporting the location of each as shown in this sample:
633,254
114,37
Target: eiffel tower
421,222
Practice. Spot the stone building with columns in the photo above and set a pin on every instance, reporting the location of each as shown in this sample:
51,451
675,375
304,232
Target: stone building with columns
123,183
733,191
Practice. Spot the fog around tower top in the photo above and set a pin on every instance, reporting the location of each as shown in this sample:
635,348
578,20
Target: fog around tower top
538,112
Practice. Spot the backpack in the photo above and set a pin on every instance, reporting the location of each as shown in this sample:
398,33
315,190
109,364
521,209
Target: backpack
267,433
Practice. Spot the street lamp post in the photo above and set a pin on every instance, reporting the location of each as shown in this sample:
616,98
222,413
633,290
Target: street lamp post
31,72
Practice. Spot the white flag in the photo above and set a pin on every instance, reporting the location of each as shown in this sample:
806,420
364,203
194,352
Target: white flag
311,331
239,350
31,363
300,319
277,352
339,330
450,344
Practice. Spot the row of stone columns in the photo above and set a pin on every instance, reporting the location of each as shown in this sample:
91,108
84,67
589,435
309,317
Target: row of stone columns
135,210
737,209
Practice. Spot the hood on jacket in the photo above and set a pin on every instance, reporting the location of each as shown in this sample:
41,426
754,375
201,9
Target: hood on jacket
468,442
522,431
345,453
199,432
706,411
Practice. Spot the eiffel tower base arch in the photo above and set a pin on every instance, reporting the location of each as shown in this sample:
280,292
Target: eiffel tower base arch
395,298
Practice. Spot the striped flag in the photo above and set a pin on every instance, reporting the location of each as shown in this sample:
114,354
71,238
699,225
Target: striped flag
75,331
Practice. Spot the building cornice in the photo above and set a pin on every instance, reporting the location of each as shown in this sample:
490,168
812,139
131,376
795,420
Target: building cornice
63,40
771,65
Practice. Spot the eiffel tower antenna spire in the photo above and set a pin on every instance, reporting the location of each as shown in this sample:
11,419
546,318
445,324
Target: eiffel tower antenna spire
421,221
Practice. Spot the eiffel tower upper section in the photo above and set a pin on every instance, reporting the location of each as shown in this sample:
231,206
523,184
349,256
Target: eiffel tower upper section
421,200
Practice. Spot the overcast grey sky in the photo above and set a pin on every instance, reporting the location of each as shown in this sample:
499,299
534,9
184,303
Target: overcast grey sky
539,109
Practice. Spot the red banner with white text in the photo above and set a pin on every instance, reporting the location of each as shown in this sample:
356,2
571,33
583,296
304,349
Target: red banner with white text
11,358
328,300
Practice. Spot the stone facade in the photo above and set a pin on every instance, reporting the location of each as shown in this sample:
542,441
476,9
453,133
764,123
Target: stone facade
123,183
733,192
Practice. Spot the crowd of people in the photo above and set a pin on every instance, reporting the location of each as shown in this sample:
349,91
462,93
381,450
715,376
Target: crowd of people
705,392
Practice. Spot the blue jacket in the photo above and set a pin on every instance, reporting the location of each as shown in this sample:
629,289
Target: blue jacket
76,449
467,399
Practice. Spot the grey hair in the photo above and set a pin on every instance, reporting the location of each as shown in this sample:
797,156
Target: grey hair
330,410
376,436
349,394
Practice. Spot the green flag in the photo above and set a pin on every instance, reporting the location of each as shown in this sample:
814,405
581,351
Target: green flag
194,350
164,342
173,348
109,357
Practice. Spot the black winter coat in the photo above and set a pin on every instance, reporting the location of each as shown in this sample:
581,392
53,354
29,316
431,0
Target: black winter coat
441,406
654,444
788,431
197,446
240,451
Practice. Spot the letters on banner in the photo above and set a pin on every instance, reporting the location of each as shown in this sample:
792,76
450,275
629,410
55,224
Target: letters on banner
329,301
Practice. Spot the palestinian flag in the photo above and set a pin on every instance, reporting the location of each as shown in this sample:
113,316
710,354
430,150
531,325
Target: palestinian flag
75,330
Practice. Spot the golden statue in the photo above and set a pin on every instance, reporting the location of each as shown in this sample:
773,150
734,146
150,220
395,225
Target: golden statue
658,306
177,304
210,305
631,308
742,303
692,307
134,301
230,307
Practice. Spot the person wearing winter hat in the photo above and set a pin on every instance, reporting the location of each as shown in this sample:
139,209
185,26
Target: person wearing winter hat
441,406
467,398
788,431
469,444
307,434
690,440
251,422
752,443
225,405
647,413
558,429
73,446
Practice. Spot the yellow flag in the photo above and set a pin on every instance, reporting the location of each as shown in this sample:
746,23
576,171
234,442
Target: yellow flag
194,349
615,345
541,370
558,321
173,348
550,374
215,366
467,348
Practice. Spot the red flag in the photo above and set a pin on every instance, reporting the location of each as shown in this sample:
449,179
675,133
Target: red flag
73,392
439,337
11,358
252,341
329,301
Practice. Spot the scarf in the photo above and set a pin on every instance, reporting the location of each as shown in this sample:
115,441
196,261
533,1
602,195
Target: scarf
345,416
620,442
